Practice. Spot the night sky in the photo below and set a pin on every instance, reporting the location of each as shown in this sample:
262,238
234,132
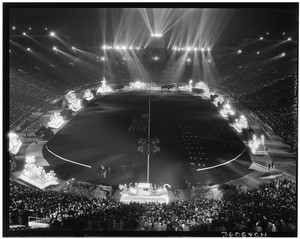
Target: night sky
83,24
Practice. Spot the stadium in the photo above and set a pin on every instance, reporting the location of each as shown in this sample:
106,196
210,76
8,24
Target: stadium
151,119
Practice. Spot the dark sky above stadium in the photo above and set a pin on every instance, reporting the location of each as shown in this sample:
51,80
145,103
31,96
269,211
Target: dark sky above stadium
84,23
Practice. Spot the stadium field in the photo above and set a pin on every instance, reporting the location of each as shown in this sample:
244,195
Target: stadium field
193,136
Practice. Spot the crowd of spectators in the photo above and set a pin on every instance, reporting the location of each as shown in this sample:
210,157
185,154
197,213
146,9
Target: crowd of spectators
41,74
266,83
272,208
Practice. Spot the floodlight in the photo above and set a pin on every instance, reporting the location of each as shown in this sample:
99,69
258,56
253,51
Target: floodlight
102,58
283,33
188,48
175,48
73,48
156,35
29,28
28,49
208,49
52,34
282,54
268,33
257,53
261,38
289,39
13,27
195,49
155,58
239,51
104,47
202,49
117,47
124,47
209,61
130,47
54,48
137,48
46,28
188,60
24,33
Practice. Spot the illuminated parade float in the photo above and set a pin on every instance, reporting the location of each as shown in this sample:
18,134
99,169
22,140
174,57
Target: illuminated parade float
226,111
88,95
56,121
103,88
144,193
218,100
74,102
257,146
137,85
240,124
36,175
204,87
14,143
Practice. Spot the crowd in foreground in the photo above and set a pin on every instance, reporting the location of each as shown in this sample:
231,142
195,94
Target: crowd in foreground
272,208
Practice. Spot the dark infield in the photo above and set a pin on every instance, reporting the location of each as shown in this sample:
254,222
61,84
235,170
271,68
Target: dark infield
192,135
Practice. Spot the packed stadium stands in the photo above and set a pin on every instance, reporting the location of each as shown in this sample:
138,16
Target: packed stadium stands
270,209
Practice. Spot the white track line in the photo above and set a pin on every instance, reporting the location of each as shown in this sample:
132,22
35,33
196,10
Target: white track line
84,165
201,169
